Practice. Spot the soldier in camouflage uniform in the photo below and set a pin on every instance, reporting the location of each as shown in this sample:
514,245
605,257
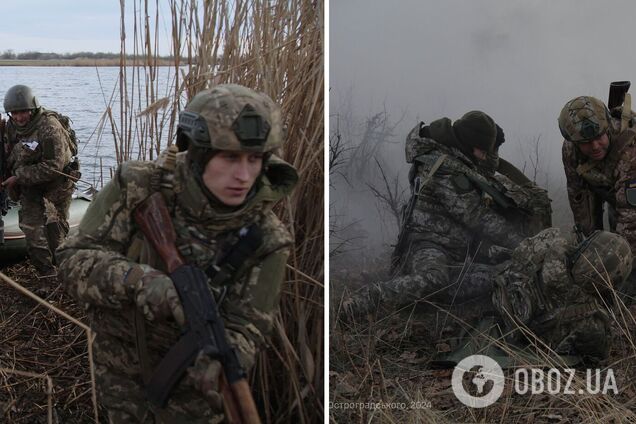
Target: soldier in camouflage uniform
560,291
460,222
40,149
227,180
599,156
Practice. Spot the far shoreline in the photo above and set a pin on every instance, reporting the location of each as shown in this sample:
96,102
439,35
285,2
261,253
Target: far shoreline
82,62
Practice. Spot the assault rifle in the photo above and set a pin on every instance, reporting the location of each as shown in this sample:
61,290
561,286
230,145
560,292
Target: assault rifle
617,92
204,330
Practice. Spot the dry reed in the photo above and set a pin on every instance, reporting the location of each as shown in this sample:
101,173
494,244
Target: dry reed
45,353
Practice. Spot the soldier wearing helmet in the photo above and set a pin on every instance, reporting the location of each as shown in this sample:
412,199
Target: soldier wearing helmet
598,156
40,149
460,221
223,185
561,290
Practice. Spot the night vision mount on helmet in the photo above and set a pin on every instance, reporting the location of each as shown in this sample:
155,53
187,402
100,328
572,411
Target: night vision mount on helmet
232,117
583,119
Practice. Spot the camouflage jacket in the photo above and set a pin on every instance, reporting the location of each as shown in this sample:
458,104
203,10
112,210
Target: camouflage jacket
95,263
537,278
458,209
37,151
590,183
536,289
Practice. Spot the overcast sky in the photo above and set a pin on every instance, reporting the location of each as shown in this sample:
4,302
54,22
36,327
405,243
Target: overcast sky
518,60
65,26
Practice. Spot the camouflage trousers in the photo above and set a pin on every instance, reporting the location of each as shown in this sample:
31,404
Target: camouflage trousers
44,222
121,390
429,276
587,335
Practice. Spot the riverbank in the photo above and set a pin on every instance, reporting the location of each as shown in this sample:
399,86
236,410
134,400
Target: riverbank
78,62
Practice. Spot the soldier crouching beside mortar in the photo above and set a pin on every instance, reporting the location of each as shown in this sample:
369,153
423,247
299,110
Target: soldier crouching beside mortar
219,196
460,222
560,291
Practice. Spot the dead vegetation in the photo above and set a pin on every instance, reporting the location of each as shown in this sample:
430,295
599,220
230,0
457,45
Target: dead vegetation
44,362
383,369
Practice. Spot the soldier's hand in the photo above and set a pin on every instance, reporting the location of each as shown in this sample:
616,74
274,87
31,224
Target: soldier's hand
12,187
204,375
157,297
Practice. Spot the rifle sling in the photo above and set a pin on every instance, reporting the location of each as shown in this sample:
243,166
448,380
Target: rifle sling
512,172
250,239
177,360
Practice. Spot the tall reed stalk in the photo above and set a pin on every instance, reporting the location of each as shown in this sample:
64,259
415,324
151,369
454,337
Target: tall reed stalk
275,47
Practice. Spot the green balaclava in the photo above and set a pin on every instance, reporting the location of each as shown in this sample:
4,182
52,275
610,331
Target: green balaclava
475,129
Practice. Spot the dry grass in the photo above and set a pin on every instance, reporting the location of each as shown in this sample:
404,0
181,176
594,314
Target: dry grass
388,359
45,373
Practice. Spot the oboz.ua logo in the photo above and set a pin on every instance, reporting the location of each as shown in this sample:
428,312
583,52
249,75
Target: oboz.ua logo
485,381
478,381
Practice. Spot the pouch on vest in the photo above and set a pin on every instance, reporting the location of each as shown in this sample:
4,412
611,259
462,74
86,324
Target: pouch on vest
630,192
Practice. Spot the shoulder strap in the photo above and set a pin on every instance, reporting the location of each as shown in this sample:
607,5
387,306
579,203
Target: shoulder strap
626,115
249,240
440,160
162,179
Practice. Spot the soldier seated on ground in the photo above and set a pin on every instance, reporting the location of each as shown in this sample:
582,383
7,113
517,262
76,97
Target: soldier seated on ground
460,221
560,291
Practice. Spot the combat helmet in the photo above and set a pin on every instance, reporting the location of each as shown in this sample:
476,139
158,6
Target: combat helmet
583,119
20,97
601,261
232,117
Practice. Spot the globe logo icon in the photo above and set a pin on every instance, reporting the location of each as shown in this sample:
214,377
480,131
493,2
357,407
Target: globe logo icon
487,380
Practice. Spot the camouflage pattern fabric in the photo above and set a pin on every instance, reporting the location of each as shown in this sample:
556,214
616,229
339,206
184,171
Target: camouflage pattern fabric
535,290
98,269
607,182
462,225
45,196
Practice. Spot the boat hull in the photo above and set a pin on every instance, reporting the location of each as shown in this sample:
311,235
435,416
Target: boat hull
14,246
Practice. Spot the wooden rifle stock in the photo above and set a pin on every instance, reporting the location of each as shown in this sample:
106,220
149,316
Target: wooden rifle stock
153,218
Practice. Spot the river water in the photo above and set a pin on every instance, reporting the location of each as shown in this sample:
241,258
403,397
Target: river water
82,93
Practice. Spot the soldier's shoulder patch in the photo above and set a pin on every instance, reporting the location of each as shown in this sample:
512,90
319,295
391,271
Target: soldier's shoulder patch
462,183
630,192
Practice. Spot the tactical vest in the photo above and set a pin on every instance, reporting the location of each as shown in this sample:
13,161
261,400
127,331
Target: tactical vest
239,252
600,175
527,206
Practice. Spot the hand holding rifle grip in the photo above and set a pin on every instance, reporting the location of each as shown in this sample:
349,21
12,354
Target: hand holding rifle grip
153,218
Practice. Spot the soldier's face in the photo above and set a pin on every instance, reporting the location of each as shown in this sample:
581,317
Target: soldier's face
21,117
230,175
595,149
480,154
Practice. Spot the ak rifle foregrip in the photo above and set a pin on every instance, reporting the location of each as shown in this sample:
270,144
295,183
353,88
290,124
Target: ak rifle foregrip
241,395
153,217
